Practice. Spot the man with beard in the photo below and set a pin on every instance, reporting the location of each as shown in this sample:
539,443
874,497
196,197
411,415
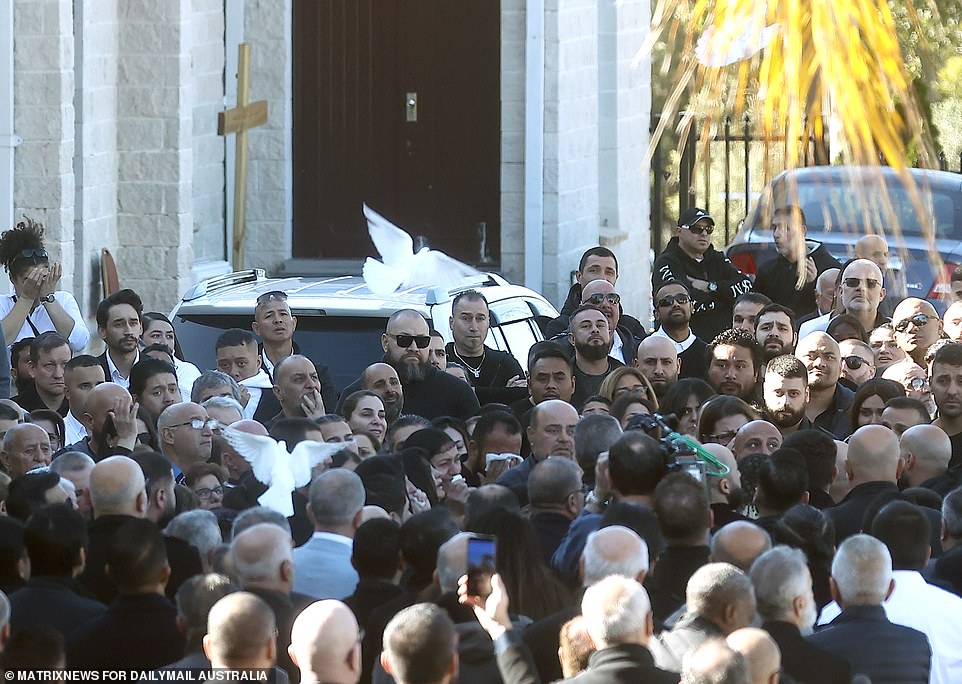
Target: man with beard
428,392
725,494
734,360
746,310
590,336
785,394
185,432
119,326
829,401
673,310
658,361
917,327
947,390
786,605
860,291
495,375
110,419
775,331
382,379
711,279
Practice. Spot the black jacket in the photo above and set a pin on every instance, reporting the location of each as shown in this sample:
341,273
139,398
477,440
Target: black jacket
495,369
668,580
835,419
711,311
776,279
629,343
559,325
58,602
439,394
804,662
873,646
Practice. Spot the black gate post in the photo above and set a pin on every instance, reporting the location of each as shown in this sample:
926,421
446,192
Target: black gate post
686,173
657,189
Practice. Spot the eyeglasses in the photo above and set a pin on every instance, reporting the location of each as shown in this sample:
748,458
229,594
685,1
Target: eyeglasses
273,295
205,492
700,230
870,283
404,341
723,437
918,320
855,362
199,424
665,302
599,299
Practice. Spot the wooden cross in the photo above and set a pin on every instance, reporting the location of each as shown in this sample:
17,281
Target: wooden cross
239,120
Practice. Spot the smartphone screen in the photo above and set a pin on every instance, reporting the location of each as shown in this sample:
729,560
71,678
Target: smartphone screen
482,551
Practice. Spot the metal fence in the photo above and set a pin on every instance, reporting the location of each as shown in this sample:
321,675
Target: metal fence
724,175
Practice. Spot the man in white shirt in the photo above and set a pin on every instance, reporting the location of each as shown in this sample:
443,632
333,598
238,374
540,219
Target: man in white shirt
237,356
914,603
119,326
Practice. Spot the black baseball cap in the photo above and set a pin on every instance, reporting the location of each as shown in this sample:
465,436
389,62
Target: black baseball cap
693,215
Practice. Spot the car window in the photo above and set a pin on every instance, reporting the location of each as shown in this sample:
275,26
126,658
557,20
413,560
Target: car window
519,337
346,345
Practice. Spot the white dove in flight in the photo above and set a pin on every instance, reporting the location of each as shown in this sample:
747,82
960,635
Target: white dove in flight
739,38
281,471
400,267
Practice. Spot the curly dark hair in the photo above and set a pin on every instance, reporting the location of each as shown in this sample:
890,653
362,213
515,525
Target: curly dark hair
27,235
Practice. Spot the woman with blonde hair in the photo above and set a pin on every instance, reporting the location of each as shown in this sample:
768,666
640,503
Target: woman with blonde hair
625,380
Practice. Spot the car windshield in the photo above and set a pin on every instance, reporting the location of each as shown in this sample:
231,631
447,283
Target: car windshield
852,205
344,344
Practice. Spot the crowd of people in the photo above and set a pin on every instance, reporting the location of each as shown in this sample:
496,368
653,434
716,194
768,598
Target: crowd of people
823,545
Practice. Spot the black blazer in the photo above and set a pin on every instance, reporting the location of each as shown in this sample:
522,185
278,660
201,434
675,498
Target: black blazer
58,602
804,662
873,646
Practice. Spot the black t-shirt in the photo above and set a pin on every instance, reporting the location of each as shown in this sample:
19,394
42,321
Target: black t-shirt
956,461
489,373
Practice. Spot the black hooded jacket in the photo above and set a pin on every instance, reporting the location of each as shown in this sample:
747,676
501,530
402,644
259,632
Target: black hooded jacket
711,311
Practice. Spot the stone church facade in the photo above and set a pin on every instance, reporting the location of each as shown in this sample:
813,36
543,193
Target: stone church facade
114,140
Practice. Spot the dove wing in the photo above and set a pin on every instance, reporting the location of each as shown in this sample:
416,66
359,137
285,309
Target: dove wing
258,450
307,455
432,268
394,245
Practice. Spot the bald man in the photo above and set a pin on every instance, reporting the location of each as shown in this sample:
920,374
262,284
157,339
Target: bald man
428,392
860,291
829,401
876,249
383,380
917,327
658,361
325,644
185,432
926,451
755,437
110,419
739,543
873,467
725,493
118,493
952,321
25,447
240,633
761,654
826,303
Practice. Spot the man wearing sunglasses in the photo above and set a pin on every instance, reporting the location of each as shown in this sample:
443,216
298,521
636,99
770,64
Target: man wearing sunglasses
860,293
673,312
778,278
597,263
623,343
917,327
858,362
711,279
428,392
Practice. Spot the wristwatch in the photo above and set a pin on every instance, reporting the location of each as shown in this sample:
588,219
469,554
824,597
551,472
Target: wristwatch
712,286
49,299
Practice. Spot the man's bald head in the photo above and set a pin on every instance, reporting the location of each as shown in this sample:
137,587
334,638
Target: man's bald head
926,451
240,633
251,427
739,542
873,455
324,644
756,437
875,249
825,289
760,651
261,556
658,360
614,550
117,487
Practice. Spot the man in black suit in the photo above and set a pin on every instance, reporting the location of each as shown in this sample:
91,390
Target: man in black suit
786,604
139,630
948,568
55,537
119,325
862,634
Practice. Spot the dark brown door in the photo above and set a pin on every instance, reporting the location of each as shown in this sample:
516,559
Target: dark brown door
355,61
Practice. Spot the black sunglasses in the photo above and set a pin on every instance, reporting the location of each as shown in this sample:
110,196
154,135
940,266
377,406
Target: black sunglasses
918,320
700,230
272,296
404,341
599,299
665,302
870,283
854,362
34,254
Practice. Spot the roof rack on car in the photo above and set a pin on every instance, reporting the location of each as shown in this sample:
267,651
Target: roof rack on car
220,282
436,295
